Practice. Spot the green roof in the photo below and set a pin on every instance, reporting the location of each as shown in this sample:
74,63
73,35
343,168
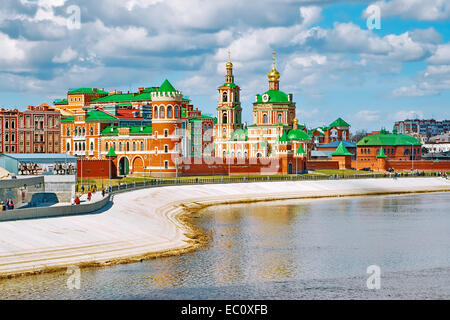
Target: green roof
68,119
300,150
283,137
111,152
108,132
141,130
381,153
97,115
341,150
297,134
86,90
383,139
339,123
167,87
124,98
60,101
229,84
276,96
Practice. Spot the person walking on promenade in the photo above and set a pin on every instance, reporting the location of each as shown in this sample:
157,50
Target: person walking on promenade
77,200
82,189
10,204
2,206
103,192
89,196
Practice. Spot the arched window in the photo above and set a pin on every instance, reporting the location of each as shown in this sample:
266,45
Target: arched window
166,148
246,154
120,146
106,146
84,131
68,146
68,132
92,131
134,146
406,152
142,146
264,118
224,96
128,146
92,146
176,112
224,153
155,113
161,112
76,146
84,146
224,117
169,112
280,118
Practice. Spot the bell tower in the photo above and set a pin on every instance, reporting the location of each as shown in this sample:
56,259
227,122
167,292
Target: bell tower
229,111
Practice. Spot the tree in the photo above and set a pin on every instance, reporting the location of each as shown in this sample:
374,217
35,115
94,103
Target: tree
359,134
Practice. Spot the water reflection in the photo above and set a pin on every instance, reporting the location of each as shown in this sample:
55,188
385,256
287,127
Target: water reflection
274,250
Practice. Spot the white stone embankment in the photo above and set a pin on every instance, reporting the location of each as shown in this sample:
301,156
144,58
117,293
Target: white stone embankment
145,221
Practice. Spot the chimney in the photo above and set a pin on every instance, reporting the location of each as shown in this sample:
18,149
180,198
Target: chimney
140,90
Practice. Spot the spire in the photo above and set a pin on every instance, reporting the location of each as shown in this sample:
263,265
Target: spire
273,75
229,65
381,153
341,150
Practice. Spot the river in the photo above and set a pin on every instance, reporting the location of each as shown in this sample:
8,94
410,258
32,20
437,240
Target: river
303,249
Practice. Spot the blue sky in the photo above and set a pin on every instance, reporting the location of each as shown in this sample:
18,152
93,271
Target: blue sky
328,58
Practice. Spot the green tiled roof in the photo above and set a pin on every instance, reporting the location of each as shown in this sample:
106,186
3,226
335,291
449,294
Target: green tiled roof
167,87
383,139
339,123
381,153
300,150
341,150
124,98
97,115
283,137
137,130
111,153
276,96
60,101
108,132
297,134
229,84
86,90
69,119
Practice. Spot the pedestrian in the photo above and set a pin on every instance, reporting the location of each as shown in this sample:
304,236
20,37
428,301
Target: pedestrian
4,207
89,196
72,201
10,204
82,189
77,200
103,192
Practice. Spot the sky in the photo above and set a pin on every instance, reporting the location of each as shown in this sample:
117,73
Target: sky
328,53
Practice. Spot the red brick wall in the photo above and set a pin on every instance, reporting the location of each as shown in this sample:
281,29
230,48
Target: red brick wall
322,164
405,165
92,169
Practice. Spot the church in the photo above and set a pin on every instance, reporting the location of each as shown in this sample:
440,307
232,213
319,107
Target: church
275,132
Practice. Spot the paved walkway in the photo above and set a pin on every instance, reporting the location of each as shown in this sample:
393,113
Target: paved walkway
143,221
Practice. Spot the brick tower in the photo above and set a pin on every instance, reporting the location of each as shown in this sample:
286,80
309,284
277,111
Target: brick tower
165,146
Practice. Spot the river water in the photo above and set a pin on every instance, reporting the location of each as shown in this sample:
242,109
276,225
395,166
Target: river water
303,249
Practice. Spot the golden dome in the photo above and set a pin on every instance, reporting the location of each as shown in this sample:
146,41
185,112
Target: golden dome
295,120
229,65
273,75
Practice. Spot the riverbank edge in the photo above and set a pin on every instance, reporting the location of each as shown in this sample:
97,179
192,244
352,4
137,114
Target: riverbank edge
181,213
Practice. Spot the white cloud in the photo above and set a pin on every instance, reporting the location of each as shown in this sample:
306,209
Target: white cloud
310,15
407,114
368,115
66,55
441,56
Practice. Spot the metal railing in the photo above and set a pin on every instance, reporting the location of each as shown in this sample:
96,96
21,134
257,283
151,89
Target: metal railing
223,180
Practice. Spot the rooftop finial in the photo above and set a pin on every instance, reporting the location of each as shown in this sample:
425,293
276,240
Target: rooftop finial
273,58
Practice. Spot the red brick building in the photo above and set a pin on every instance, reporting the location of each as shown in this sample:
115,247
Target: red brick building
35,130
